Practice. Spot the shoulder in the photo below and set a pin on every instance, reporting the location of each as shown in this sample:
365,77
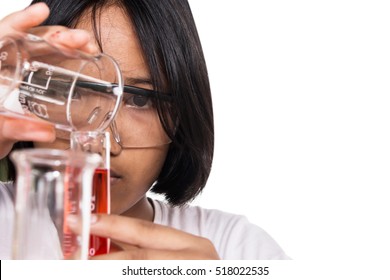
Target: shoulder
7,193
233,235
6,218
6,200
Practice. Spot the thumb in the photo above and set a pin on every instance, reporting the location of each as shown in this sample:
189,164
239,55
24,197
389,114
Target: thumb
23,20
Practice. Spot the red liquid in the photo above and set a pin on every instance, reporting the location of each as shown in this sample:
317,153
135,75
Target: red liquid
100,203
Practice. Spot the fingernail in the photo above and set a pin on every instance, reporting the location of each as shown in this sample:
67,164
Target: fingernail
71,219
94,218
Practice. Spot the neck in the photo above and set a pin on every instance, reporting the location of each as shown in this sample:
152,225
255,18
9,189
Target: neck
143,210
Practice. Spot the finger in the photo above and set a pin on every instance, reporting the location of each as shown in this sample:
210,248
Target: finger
123,251
150,254
25,19
62,36
13,129
141,233
138,232
74,39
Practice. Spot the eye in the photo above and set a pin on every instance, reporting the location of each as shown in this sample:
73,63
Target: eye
138,101
82,94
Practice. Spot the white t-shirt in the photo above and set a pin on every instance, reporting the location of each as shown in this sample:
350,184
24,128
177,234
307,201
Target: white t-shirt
6,220
233,236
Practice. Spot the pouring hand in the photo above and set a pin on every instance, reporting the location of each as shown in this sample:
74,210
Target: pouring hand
27,21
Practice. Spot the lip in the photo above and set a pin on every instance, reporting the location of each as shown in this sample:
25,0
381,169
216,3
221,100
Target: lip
114,177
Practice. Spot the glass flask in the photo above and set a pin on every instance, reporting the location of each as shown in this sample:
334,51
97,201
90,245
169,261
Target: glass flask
68,88
50,185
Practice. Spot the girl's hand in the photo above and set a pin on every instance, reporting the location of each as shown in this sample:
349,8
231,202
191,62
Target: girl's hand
12,129
138,239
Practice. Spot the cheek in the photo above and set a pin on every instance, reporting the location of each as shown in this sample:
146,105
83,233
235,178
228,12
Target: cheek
138,169
140,163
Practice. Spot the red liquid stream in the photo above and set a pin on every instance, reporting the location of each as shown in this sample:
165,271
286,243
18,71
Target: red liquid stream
100,204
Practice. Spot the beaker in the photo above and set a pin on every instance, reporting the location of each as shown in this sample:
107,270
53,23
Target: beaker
96,142
50,185
66,87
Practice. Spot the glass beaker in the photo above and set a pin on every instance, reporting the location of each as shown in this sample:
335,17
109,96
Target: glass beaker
96,142
50,185
71,89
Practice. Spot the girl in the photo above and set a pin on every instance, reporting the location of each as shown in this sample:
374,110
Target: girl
157,47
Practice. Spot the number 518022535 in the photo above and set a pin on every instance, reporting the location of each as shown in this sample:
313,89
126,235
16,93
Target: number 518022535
242,270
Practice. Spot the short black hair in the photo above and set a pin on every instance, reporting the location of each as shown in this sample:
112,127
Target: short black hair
172,50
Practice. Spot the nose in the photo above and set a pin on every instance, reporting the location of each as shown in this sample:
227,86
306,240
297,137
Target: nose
115,148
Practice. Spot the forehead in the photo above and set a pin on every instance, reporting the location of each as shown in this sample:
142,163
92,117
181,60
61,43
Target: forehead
118,39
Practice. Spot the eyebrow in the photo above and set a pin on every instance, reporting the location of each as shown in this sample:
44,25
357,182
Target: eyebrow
136,81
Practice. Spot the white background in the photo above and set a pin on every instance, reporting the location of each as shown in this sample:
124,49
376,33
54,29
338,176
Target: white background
301,97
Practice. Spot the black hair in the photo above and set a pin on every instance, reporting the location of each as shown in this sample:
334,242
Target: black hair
173,53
